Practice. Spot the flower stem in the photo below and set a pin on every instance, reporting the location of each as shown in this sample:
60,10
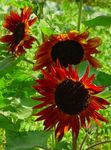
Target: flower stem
85,138
79,15
53,139
29,61
98,143
74,142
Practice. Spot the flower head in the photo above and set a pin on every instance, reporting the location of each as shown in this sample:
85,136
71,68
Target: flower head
70,101
70,48
18,25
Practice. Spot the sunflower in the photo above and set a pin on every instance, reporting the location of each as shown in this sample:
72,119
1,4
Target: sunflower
67,100
70,48
18,26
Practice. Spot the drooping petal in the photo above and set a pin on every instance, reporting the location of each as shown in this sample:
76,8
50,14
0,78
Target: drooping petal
6,38
70,48
67,101
18,25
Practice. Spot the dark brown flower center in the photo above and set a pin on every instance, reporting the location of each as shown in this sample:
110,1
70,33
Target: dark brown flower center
68,52
71,97
19,33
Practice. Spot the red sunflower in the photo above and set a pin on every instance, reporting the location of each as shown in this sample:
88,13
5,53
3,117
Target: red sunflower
69,101
70,48
18,25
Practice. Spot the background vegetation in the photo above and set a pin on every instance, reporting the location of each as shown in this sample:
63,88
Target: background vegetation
18,130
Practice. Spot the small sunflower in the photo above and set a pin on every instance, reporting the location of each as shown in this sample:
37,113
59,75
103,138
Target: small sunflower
70,48
68,102
18,25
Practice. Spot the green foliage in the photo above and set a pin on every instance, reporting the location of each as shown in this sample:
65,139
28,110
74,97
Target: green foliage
7,64
19,131
99,21
26,140
104,79
6,123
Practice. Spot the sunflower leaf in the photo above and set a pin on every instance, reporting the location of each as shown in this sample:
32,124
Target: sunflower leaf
8,64
45,28
5,123
26,140
103,78
99,21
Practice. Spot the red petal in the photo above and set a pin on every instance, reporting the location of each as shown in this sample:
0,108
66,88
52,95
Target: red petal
101,117
94,62
94,42
7,38
85,76
28,42
40,105
101,100
47,76
46,110
96,89
82,120
26,12
83,35
62,127
89,80
14,16
75,125
31,22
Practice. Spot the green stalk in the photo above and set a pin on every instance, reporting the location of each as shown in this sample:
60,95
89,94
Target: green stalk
79,15
98,143
88,130
53,139
85,138
28,61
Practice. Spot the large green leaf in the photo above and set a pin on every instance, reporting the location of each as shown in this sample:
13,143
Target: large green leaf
26,140
103,79
45,28
15,108
99,21
82,68
8,64
5,123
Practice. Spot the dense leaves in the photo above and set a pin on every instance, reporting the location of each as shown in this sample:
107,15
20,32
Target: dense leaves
18,128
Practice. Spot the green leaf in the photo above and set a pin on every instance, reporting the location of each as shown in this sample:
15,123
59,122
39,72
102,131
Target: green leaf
8,64
103,79
27,140
15,108
5,123
99,21
23,112
62,146
2,102
82,68
45,28
106,94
